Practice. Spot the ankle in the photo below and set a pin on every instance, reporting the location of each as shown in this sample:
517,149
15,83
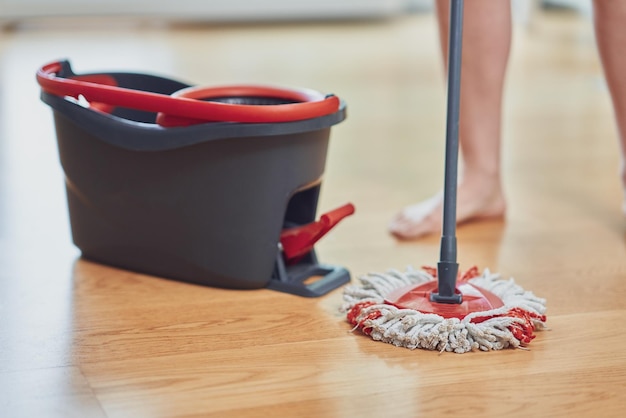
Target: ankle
481,169
485,181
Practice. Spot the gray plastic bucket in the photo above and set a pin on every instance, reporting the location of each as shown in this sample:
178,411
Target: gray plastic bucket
204,204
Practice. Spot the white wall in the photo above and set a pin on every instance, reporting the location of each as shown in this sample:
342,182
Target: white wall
203,9
241,10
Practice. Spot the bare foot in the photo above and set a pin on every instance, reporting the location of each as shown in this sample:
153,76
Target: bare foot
476,200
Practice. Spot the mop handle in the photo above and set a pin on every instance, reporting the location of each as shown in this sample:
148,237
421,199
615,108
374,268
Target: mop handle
447,268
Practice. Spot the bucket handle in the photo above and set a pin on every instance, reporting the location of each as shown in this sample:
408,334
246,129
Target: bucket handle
57,78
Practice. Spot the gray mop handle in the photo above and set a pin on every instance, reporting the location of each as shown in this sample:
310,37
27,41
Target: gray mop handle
448,267
452,128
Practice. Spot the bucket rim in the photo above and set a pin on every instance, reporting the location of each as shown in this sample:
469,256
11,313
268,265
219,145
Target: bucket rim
142,136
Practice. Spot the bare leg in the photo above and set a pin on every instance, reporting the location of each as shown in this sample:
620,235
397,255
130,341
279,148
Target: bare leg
486,45
610,24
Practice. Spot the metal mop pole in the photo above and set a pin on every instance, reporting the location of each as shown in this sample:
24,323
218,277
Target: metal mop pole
447,268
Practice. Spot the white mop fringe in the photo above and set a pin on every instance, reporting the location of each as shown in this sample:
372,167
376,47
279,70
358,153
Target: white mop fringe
511,325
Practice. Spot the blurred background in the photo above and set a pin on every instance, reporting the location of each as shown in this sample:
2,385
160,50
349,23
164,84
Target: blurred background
381,56
16,11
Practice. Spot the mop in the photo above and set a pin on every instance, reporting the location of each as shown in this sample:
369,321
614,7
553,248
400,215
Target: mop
440,308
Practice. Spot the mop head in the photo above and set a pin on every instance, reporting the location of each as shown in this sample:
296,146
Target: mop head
510,326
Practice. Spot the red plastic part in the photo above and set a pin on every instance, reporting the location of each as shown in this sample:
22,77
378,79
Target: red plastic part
417,297
188,110
299,240
104,79
309,104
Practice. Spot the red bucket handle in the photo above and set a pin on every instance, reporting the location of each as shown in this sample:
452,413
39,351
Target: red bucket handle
188,110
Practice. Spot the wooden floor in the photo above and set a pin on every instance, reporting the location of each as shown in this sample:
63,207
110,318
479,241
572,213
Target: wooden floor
78,339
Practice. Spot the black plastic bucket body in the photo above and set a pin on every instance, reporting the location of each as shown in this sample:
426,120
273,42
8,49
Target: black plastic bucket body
204,204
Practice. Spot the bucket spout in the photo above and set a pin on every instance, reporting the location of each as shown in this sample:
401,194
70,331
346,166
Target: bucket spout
299,240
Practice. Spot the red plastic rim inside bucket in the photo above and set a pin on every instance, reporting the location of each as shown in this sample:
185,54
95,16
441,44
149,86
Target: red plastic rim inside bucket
254,101
417,297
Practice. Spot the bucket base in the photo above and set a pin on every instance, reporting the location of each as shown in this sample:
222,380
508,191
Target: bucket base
308,278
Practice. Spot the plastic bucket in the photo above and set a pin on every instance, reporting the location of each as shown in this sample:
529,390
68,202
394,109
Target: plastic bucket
204,203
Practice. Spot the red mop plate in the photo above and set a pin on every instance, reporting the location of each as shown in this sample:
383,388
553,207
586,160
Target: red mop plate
475,299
